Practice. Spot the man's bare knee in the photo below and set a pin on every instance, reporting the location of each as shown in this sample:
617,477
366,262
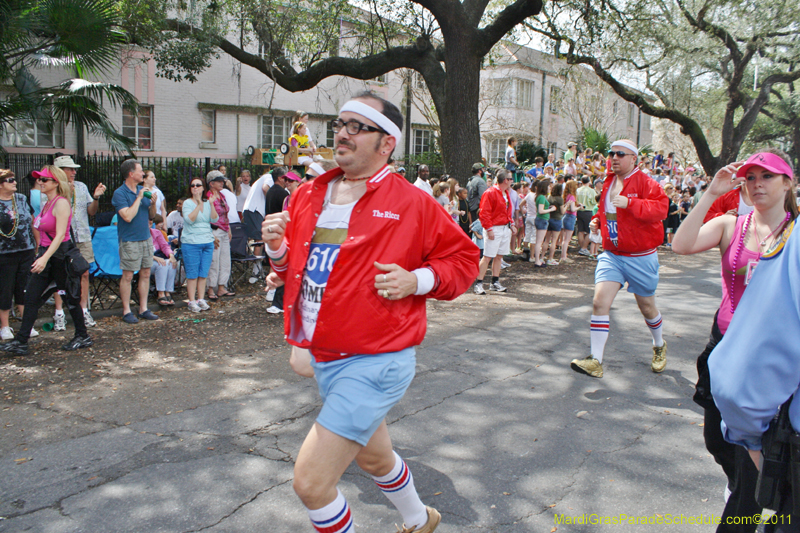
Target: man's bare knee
375,465
311,493
127,276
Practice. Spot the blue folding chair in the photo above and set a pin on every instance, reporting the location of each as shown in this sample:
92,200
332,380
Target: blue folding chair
105,270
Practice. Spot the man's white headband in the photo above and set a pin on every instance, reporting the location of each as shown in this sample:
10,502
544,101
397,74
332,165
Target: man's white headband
626,144
366,111
316,167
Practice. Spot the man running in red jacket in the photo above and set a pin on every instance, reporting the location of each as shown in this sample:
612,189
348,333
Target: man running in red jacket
360,251
496,215
630,212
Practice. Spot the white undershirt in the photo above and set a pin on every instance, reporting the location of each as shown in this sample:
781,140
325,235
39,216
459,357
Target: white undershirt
334,222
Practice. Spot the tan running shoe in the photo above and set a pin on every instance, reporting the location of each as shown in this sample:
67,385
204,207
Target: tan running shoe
430,526
589,366
659,358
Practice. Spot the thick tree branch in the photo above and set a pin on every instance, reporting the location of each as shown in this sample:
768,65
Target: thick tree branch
505,22
419,56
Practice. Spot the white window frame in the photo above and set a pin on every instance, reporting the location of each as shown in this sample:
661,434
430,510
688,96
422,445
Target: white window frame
524,90
21,129
555,96
138,132
205,115
631,115
496,150
424,141
275,140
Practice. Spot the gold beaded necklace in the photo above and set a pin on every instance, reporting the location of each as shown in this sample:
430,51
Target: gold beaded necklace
16,219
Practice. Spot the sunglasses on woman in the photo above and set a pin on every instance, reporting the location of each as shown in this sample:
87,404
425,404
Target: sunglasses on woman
9,180
44,180
195,185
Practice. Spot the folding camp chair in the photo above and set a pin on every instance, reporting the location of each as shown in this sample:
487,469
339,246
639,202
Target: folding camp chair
105,270
242,257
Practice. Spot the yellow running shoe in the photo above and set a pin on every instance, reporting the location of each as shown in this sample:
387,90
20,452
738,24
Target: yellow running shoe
589,366
659,358
433,521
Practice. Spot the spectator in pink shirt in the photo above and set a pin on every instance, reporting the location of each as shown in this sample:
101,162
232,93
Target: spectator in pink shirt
164,264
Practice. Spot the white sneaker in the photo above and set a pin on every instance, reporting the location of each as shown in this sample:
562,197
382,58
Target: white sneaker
88,320
497,287
194,308
274,310
270,295
203,305
6,334
503,264
584,252
59,322
479,288
34,333
552,262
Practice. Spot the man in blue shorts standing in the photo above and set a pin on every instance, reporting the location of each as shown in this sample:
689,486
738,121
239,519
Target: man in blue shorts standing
360,250
630,211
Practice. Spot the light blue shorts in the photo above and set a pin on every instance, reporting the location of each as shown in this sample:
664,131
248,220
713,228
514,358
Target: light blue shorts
359,391
640,273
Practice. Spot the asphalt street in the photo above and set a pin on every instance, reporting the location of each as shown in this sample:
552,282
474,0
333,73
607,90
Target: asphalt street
501,436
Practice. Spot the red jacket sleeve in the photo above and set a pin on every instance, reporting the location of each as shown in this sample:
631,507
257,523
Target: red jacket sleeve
652,205
486,209
448,251
727,202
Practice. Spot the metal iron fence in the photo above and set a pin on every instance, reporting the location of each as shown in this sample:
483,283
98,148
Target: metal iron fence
172,174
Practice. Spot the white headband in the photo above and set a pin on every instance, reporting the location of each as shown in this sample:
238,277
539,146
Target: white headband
374,115
626,144
316,168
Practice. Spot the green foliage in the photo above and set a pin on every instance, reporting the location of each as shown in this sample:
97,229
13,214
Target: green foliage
527,151
432,159
596,140
81,35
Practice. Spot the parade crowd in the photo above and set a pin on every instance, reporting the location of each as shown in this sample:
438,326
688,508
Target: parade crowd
402,243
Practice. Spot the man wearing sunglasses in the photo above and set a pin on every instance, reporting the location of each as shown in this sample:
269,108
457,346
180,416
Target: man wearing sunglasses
630,212
360,250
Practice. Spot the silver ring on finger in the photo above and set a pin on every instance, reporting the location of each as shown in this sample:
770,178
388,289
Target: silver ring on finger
269,228
384,278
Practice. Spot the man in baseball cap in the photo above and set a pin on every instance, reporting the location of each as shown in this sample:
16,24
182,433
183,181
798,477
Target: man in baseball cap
83,205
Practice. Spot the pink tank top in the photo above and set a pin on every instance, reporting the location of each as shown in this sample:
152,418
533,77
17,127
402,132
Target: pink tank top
46,223
745,264
571,198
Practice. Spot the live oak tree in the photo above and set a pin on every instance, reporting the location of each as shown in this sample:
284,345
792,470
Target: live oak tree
689,54
299,44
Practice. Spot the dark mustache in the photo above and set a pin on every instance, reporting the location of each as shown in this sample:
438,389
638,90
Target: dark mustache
346,144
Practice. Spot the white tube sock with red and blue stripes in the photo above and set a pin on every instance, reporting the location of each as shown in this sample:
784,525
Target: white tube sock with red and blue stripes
333,518
655,328
398,486
598,335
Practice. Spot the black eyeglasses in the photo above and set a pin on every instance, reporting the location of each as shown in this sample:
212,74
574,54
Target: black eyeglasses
193,185
352,126
618,153
9,180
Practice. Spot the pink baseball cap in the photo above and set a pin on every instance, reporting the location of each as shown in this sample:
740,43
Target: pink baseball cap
44,173
767,161
292,176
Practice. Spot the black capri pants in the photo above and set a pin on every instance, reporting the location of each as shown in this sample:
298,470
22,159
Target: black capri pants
15,268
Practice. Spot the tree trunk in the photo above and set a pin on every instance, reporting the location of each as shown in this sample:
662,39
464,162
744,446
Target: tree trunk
461,133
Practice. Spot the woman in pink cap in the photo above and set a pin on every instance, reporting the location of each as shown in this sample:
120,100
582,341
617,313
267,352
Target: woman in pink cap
742,240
